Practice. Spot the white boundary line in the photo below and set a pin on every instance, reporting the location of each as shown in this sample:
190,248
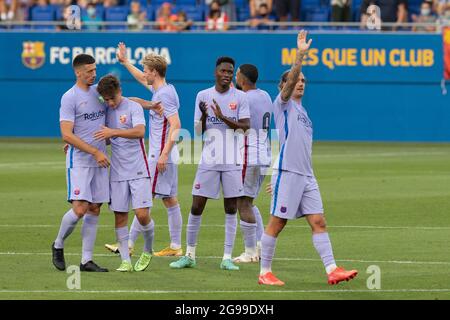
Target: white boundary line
229,291
220,257
222,226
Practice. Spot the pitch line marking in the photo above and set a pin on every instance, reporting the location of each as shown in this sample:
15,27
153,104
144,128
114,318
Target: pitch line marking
220,257
227,291
222,226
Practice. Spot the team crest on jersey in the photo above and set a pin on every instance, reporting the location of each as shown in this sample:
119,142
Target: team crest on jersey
283,209
33,54
76,191
197,186
232,105
123,118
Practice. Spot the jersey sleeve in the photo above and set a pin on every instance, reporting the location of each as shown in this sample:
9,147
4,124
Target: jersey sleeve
67,110
244,108
279,104
137,115
197,113
170,104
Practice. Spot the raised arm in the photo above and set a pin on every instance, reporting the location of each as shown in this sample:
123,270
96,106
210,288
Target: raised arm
121,56
296,69
70,138
200,125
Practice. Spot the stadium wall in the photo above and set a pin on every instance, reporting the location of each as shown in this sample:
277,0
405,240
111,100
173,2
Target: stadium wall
372,87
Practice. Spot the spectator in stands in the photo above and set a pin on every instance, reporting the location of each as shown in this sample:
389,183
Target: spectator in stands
284,8
109,3
443,6
67,11
262,19
341,10
82,4
227,6
183,23
255,6
392,11
426,16
165,18
92,21
137,16
216,19
8,9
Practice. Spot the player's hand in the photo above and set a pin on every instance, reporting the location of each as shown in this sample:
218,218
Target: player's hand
66,148
302,45
162,162
157,107
217,110
104,134
203,107
121,53
269,189
102,159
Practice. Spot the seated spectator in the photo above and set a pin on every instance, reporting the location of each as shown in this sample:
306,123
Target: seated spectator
392,11
183,23
255,6
165,18
341,10
82,4
262,19
443,6
137,16
110,3
426,16
284,8
7,9
227,6
216,19
90,16
67,12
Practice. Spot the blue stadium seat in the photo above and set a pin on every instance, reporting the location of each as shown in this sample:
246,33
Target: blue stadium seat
118,13
309,4
241,3
186,2
318,15
39,13
243,14
194,13
158,3
151,13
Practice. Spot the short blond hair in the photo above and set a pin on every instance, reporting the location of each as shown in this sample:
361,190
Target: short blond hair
156,62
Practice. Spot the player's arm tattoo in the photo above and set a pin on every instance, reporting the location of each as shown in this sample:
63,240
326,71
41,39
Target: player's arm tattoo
292,77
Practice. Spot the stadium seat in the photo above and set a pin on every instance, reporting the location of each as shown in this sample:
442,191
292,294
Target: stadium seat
151,13
194,13
158,3
40,13
318,15
241,4
243,14
186,2
119,13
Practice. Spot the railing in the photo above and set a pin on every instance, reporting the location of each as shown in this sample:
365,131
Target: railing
114,26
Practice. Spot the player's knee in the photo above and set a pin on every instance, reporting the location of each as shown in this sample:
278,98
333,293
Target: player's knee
318,224
94,208
170,202
121,219
196,209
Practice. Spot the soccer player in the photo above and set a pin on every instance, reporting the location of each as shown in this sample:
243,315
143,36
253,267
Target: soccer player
219,112
81,115
163,152
296,193
130,175
257,153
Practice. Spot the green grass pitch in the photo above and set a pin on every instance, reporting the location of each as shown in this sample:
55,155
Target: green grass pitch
386,205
